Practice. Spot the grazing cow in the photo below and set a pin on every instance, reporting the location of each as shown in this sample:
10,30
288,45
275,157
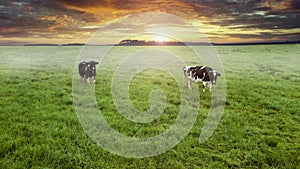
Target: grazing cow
203,74
87,70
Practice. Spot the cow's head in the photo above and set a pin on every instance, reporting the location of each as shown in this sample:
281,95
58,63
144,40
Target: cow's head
92,65
213,75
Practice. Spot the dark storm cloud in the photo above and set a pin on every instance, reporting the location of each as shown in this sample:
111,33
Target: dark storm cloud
213,8
296,5
271,16
37,17
85,3
249,12
117,4
267,36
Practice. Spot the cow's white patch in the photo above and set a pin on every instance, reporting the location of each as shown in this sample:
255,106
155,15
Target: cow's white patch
214,78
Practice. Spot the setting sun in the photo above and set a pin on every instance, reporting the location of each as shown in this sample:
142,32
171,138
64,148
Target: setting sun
159,38
152,37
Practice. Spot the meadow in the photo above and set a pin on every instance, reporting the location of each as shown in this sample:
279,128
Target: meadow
260,127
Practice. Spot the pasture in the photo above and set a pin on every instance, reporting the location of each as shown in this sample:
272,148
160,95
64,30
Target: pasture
260,127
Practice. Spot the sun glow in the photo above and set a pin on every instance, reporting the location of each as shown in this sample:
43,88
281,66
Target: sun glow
159,38
151,37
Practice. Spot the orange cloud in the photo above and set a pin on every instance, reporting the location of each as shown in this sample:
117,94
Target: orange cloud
58,21
279,4
111,9
9,30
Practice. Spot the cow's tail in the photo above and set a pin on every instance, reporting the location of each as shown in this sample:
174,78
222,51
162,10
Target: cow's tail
183,73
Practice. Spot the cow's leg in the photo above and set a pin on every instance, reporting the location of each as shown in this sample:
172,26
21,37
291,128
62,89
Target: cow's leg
83,78
203,85
87,75
189,84
94,78
210,86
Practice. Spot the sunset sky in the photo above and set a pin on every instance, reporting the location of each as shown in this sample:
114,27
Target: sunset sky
75,21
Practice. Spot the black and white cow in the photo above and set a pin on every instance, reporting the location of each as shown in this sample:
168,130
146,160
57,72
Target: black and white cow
203,74
87,70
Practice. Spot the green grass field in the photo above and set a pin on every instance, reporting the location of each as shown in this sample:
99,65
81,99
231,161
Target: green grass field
259,129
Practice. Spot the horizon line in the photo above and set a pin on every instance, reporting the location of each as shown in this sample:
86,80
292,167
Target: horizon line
157,43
